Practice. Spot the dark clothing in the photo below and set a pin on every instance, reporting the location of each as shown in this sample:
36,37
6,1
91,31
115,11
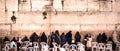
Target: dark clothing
69,37
18,45
57,39
5,39
63,39
77,37
99,38
14,39
34,37
53,36
104,38
25,39
43,38
52,39
85,40
113,43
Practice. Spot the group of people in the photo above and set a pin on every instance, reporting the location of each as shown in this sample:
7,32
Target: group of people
102,38
62,39
54,37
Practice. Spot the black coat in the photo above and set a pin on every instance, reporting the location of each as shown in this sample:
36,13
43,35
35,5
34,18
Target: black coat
99,38
63,39
5,39
34,37
69,37
104,38
77,37
43,38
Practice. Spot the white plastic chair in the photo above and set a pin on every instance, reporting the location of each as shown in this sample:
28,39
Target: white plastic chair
101,47
94,46
62,49
118,46
44,46
30,48
26,43
73,47
55,45
24,48
66,46
0,48
6,47
108,47
80,47
36,46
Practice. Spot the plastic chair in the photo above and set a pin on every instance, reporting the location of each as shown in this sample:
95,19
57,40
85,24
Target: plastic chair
62,49
44,46
26,43
118,46
94,46
73,47
24,48
30,48
55,45
35,44
36,48
6,47
101,47
80,47
108,47
66,46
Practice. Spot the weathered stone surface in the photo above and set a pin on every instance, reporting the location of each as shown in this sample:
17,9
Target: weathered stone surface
92,16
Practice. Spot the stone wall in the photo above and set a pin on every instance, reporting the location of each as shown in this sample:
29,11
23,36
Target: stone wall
92,16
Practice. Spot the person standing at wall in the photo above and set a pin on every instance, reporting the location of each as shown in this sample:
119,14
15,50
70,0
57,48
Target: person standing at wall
89,42
43,37
69,37
85,41
63,39
77,37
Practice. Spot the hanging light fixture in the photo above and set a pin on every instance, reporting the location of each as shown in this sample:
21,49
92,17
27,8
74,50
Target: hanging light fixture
45,15
13,18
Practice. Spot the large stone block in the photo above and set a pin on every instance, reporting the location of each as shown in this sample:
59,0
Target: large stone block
105,6
38,5
25,6
93,6
5,29
57,4
2,5
12,5
116,6
75,6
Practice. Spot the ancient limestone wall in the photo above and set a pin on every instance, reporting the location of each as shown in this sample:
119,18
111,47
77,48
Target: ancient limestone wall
93,16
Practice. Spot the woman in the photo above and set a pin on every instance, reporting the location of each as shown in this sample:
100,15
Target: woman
89,42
